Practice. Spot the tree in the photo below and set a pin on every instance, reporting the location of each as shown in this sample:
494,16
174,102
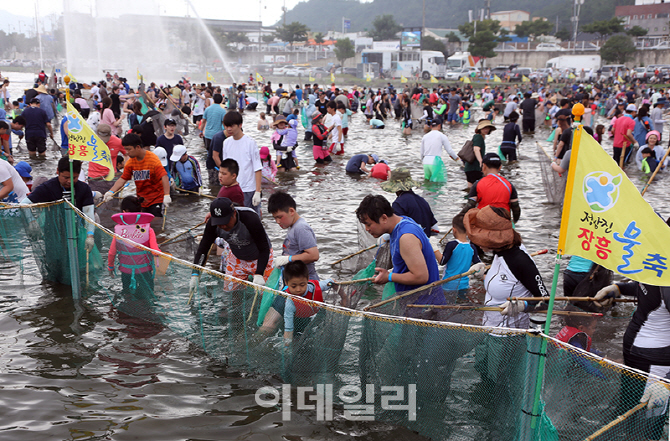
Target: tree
618,49
384,28
292,32
318,38
268,38
637,31
533,28
487,36
344,49
563,34
236,37
604,28
453,38
430,43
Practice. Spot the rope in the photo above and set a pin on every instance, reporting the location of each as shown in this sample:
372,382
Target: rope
184,232
371,247
497,308
195,192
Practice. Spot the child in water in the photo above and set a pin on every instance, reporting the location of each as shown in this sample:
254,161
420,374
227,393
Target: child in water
600,133
263,123
296,313
269,169
136,265
459,255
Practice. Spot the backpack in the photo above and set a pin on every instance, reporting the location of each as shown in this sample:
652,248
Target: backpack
467,153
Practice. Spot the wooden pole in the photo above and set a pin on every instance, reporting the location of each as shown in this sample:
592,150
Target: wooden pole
182,233
623,156
355,254
619,419
195,192
658,168
445,236
497,308
567,299
115,193
352,282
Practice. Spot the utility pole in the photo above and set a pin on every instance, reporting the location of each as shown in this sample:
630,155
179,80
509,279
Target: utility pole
577,4
488,10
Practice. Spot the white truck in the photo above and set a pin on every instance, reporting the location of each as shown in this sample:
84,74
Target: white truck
577,62
459,60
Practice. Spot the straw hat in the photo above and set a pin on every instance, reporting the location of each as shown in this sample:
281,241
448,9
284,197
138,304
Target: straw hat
41,89
104,132
279,119
483,123
400,179
487,229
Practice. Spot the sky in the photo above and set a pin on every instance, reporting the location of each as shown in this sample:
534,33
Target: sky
216,9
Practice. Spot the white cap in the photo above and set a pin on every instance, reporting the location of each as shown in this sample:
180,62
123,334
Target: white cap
162,155
177,152
631,108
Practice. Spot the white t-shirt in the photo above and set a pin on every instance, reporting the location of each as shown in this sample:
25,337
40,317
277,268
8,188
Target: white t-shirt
432,144
245,152
95,93
337,122
9,172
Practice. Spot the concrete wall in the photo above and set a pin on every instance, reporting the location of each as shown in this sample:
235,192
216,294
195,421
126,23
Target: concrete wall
537,59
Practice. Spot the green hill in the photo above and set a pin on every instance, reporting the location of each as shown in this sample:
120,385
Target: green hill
326,15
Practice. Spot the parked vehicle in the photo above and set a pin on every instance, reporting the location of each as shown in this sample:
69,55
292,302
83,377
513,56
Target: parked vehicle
610,70
518,73
577,62
540,74
549,47
406,62
281,70
501,71
462,59
458,73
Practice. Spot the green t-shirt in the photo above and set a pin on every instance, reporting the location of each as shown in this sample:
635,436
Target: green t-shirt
477,141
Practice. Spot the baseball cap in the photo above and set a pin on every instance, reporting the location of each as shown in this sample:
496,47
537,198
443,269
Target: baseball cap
492,160
631,108
436,122
375,157
162,155
24,169
177,152
265,152
170,122
221,210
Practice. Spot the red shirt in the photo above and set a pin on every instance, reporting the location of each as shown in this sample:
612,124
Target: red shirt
380,171
621,127
234,193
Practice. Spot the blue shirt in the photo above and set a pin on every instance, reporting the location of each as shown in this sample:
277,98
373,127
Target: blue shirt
458,257
214,115
64,142
46,104
185,170
298,94
579,265
36,122
415,207
354,164
408,226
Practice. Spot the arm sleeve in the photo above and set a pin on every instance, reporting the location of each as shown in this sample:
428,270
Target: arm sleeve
518,132
255,227
524,269
289,312
89,211
469,205
472,196
323,284
447,147
629,289
448,249
206,242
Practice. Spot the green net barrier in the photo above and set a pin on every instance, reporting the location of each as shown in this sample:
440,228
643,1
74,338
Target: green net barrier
438,372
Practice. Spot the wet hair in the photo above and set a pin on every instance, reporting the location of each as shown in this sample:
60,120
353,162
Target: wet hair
457,223
132,204
527,95
232,118
373,207
281,201
514,117
231,165
218,98
131,139
600,129
4,125
262,115
64,165
296,270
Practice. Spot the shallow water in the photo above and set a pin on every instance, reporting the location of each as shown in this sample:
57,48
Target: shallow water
92,373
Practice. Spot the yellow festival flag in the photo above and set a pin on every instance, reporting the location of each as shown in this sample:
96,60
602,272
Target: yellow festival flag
433,79
465,80
332,77
311,78
368,77
403,79
210,77
84,144
139,75
571,76
606,220
525,79
549,79
496,79
72,78
259,77
619,79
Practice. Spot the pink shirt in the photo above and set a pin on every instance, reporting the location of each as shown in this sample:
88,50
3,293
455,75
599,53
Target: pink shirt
108,118
621,127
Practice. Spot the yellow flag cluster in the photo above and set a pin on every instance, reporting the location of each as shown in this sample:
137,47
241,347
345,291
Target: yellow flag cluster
332,77
210,77
433,79
606,220
465,80
368,78
259,77
525,79
571,76
311,78
550,79
403,79
496,79
139,75
84,144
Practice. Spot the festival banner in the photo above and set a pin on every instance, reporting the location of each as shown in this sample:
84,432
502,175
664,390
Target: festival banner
311,78
259,78
402,79
525,79
550,79
210,77
606,220
72,78
433,79
332,77
571,76
619,79
496,79
84,143
139,75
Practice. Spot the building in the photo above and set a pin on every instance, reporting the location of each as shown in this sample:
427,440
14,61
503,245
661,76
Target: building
652,17
509,19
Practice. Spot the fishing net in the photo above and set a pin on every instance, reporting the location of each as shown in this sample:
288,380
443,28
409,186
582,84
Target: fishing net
434,371
554,184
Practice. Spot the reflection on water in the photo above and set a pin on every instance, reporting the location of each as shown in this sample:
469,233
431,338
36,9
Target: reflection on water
94,373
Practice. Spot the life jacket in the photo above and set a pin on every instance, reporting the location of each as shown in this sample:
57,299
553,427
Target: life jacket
466,116
494,190
304,309
568,332
136,228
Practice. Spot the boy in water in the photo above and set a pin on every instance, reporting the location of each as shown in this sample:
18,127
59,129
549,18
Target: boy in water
230,188
300,242
296,313
459,256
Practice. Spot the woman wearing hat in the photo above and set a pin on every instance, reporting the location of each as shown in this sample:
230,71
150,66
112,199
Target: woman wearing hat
513,272
320,134
473,170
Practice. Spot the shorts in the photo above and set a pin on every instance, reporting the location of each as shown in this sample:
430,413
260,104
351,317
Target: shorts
452,117
156,210
319,153
36,144
508,152
345,130
473,176
242,269
196,119
528,125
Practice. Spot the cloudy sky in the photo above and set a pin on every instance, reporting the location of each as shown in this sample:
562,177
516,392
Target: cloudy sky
269,10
